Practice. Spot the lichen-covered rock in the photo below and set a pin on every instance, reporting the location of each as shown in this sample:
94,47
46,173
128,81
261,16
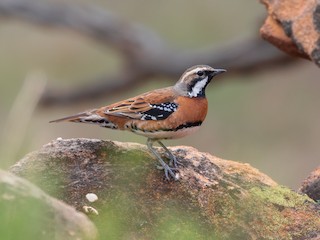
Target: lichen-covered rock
311,185
26,212
213,198
294,26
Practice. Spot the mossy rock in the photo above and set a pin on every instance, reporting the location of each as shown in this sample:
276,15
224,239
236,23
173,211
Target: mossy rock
214,198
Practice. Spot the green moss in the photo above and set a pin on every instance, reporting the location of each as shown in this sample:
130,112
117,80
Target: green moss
280,196
23,216
179,225
272,222
124,216
129,157
269,211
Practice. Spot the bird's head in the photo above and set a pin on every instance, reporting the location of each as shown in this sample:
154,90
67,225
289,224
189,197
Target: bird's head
194,80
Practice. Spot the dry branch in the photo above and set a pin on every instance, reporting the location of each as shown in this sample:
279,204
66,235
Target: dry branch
145,53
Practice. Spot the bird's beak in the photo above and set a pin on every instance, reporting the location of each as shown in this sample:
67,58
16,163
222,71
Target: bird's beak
218,71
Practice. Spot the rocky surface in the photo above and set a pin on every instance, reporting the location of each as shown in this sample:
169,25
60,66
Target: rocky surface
311,185
294,26
26,212
213,198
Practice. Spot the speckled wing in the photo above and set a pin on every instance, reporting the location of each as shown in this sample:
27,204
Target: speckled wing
154,105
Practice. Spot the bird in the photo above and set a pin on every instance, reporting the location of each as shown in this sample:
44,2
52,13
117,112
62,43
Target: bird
167,113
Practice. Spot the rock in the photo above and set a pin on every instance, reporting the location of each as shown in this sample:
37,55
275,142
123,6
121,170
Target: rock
294,26
26,212
311,185
214,198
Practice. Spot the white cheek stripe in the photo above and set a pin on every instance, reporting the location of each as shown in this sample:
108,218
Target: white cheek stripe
197,88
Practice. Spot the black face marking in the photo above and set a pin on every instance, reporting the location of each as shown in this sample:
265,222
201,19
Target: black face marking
160,111
201,92
200,73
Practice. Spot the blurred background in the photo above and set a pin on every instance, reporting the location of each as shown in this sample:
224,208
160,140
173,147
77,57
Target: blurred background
268,117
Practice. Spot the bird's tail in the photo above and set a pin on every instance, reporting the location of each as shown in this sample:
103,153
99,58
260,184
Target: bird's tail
73,118
91,116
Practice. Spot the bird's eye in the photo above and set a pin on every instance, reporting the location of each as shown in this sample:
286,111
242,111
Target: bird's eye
200,73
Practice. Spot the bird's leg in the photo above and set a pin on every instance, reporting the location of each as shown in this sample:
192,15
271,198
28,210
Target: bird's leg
167,170
173,160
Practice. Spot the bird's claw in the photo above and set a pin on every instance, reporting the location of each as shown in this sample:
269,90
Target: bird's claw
175,162
172,172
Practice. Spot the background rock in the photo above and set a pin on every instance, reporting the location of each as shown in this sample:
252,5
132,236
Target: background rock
294,26
214,197
26,212
311,185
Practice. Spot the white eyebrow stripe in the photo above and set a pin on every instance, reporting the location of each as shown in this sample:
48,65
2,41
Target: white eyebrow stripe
196,70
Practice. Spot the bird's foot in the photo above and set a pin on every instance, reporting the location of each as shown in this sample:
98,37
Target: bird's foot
170,172
174,161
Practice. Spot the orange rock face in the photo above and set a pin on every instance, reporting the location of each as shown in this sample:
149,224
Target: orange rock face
294,26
